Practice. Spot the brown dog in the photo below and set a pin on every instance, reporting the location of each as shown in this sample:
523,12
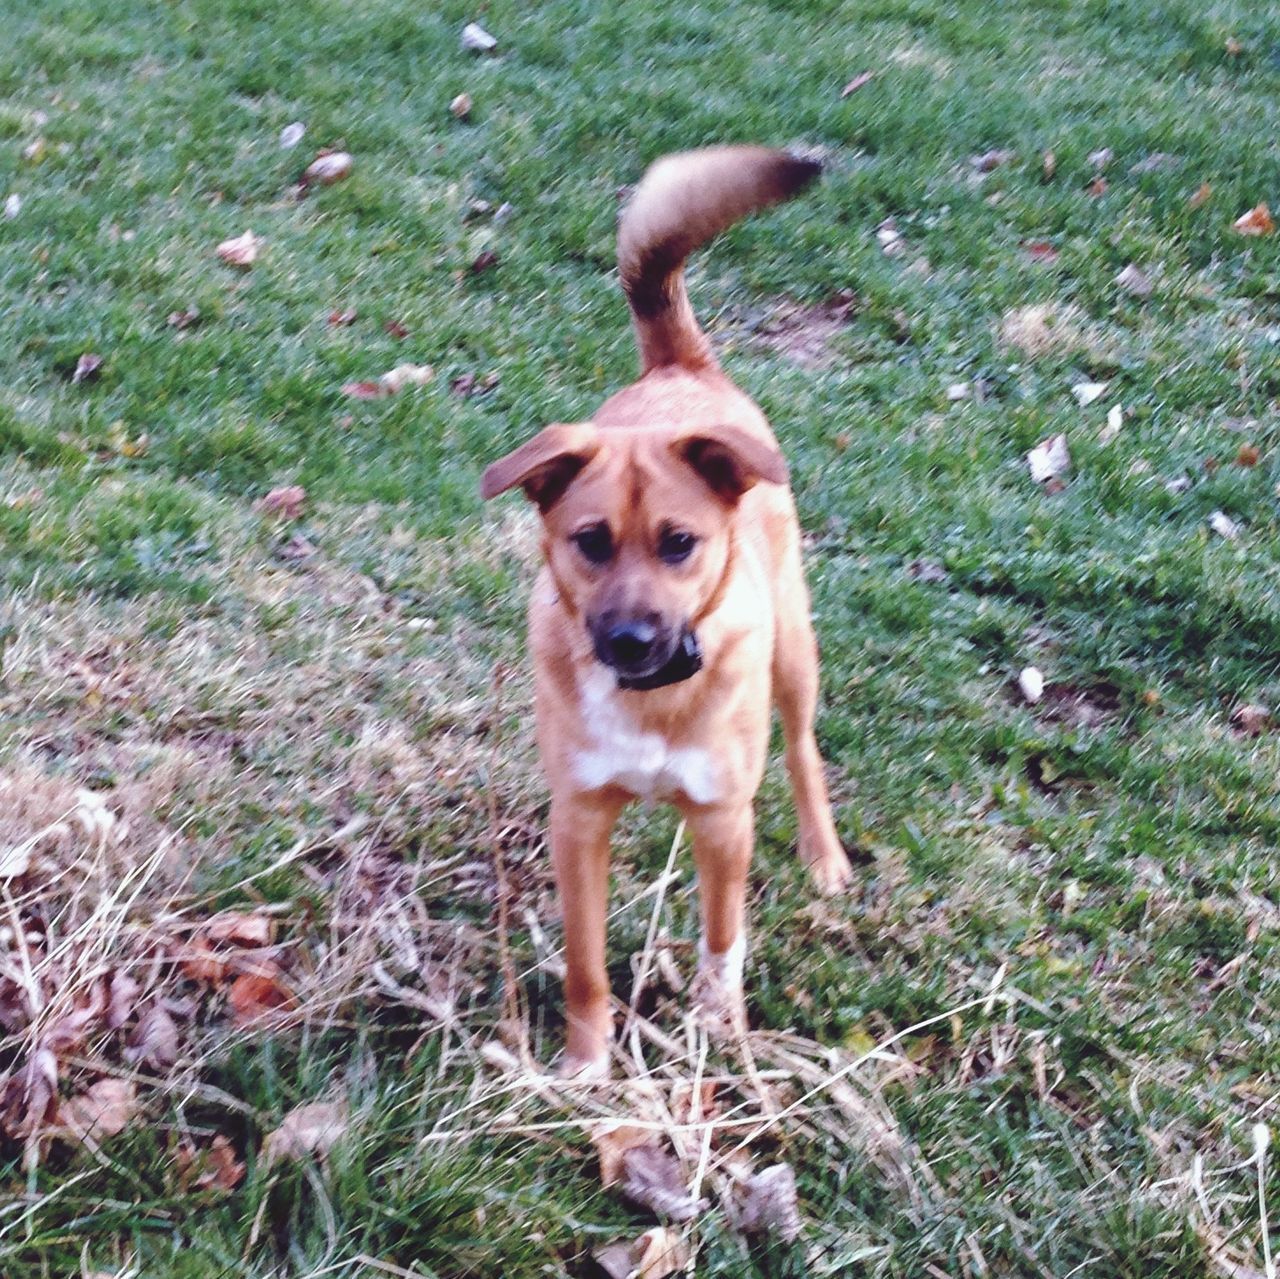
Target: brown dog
671,612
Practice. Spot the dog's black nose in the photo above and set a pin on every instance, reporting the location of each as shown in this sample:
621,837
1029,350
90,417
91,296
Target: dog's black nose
630,644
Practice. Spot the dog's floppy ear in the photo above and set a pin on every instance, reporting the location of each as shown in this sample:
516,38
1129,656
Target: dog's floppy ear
731,460
544,466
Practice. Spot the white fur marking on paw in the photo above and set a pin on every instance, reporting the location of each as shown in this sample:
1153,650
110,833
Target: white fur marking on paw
643,763
725,968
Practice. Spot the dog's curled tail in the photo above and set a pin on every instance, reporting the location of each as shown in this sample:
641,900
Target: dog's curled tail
682,202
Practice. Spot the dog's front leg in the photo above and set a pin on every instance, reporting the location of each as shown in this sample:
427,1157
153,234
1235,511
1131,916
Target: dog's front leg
723,838
580,829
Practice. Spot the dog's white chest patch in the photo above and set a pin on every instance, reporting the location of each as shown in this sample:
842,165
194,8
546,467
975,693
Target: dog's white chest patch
622,754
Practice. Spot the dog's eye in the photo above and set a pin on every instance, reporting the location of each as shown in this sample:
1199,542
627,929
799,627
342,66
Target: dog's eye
595,543
675,546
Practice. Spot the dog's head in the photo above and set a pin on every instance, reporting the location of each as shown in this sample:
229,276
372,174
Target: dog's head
638,530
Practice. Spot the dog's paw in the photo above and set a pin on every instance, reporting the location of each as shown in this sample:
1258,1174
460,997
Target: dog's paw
831,873
583,1070
718,1006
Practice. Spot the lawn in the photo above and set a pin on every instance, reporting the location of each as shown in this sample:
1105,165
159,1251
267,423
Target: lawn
271,828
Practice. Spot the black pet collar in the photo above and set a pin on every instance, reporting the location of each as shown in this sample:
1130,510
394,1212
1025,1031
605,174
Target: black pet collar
684,662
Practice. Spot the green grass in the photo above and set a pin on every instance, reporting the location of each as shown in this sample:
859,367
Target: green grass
1109,856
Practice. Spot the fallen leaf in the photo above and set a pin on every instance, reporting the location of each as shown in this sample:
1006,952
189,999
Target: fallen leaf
1048,165
861,80
1257,221
1098,187
1154,163
12,205
292,134
1115,420
990,160
328,167
295,550
124,991
1224,526
1234,46
396,329
184,319
766,1202
240,927
612,1141
215,1167
16,860
395,380
88,367
67,1032
31,1094
1249,455
340,319
460,107
364,390
102,1110
20,502
889,239
1031,684
466,385
1049,459
256,996
313,1128
690,1105
653,1255
1101,158
930,571
1133,279
475,39
130,446
484,262
200,962
1087,392
225,1171
1252,719
286,502
1200,196
242,251
1040,251
154,1041
652,1177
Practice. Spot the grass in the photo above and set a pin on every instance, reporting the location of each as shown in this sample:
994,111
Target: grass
302,720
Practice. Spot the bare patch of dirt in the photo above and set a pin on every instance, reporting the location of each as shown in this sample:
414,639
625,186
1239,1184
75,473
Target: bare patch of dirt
803,332
1079,707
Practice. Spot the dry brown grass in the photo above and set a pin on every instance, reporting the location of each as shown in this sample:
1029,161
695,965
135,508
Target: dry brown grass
1049,328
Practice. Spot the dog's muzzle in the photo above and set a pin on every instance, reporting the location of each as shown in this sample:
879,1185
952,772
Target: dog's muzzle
684,662
644,655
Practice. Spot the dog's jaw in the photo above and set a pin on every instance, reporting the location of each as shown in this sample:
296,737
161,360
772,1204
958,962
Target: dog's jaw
683,664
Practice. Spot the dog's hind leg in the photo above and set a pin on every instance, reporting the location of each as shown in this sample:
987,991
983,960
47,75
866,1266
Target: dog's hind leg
580,829
795,691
